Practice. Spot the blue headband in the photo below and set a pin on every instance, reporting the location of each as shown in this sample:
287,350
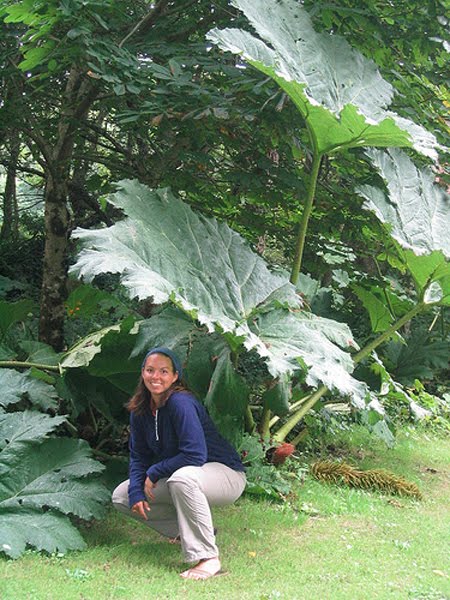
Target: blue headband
173,357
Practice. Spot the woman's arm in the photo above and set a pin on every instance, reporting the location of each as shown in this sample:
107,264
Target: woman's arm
140,459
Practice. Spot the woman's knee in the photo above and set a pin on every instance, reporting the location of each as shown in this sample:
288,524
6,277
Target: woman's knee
120,494
184,481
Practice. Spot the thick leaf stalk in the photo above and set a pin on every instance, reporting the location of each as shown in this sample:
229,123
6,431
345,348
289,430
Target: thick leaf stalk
16,364
249,421
264,424
367,350
307,405
303,226
281,434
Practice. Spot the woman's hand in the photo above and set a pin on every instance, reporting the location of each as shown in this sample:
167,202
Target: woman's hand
148,487
140,508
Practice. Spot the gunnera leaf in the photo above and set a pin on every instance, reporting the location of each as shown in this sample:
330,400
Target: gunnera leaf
338,91
21,428
227,396
417,212
198,263
43,479
54,475
16,386
48,531
416,209
209,271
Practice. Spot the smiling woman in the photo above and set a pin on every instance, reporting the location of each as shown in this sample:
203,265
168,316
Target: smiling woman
179,464
158,377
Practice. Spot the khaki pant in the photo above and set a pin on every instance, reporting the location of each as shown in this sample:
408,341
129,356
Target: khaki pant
182,505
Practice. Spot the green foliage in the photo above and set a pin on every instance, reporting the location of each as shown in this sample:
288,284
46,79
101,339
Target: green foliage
23,386
263,479
410,191
380,316
415,406
385,33
86,302
206,269
12,312
43,480
227,396
425,237
420,356
8,286
276,398
339,93
240,147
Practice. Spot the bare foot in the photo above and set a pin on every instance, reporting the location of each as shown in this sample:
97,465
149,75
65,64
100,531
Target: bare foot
205,569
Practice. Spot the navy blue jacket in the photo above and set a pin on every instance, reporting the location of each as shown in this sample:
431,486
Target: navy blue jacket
180,434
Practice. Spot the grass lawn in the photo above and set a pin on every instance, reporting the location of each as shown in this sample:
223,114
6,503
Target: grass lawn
329,542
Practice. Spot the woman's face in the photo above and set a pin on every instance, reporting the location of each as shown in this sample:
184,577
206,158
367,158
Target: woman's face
158,375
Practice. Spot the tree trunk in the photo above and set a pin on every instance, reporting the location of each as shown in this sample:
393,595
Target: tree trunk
78,97
10,225
54,291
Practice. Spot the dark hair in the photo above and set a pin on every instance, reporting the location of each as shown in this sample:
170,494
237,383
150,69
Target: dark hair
139,403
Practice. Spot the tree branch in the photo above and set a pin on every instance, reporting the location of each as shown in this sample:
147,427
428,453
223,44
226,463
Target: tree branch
146,22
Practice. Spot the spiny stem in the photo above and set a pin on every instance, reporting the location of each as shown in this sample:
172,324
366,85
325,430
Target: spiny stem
292,421
359,356
264,424
303,226
292,407
250,425
281,434
17,364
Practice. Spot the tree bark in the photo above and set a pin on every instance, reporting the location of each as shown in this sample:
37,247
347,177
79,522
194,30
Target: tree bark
78,97
10,224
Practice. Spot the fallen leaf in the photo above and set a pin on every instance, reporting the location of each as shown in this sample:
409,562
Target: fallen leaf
395,503
440,573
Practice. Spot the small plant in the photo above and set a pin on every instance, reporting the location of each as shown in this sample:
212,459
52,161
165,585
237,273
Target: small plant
419,407
262,460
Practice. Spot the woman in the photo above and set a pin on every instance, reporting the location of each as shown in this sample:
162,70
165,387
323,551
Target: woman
179,464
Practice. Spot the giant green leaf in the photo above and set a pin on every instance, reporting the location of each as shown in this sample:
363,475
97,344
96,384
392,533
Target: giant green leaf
340,93
416,209
227,396
290,338
277,397
42,479
104,350
40,353
380,317
83,352
417,212
203,265
208,270
54,475
171,328
202,361
430,269
107,395
15,386
47,531
19,428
